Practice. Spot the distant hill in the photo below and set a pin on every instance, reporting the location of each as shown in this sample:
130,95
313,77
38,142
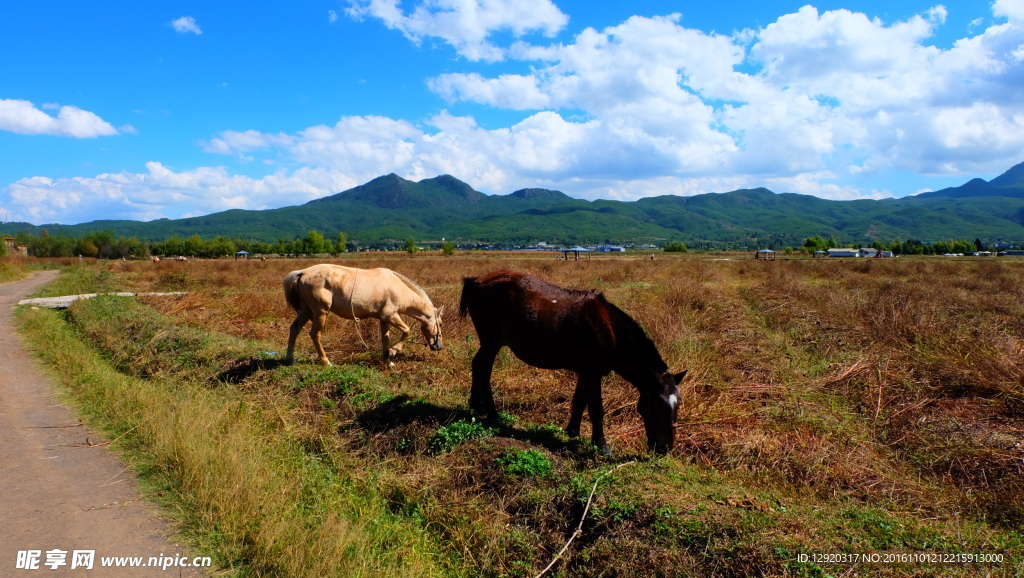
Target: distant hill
392,208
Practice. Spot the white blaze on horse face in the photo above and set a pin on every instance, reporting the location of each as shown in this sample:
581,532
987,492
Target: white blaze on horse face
673,401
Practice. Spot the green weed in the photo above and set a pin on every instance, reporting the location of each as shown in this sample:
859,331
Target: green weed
450,436
526,463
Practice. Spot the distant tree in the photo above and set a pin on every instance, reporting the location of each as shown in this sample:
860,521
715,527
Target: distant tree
815,243
86,247
962,246
193,246
172,246
105,242
220,247
978,245
410,246
675,247
448,248
50,246
314,243
342,243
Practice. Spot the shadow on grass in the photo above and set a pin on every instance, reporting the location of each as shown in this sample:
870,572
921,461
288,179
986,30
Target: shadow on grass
238,370
404,410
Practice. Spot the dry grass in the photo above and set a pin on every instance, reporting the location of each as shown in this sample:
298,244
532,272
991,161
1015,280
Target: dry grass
829,405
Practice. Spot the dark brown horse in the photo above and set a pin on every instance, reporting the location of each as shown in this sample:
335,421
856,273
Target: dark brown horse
552,327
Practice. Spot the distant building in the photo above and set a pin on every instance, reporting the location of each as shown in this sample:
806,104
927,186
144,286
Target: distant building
14,249
611,249
869,252
842,252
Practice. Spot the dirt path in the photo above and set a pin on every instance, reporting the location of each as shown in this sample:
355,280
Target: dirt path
57,492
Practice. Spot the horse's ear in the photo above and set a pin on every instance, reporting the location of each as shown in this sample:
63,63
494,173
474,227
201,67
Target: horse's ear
679,376
440,312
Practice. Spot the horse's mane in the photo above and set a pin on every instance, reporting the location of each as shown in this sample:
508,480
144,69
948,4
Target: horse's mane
632,337
416,288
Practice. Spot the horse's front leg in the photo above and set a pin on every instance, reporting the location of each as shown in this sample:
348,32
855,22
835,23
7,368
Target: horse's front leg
481,397
293,334
579,403
588,393
391,348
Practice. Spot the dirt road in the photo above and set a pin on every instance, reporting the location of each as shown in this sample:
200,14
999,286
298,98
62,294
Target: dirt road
57,493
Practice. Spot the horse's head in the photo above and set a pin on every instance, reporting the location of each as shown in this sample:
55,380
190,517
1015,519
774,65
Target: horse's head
431,328
658,405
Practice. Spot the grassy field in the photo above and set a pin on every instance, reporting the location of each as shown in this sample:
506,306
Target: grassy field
859,408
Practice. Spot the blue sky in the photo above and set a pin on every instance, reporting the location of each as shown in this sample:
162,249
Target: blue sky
144,110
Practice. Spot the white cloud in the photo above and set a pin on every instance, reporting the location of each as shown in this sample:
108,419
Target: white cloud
186,25
1012,10
162,192
810,94
466,25
234,142
22,117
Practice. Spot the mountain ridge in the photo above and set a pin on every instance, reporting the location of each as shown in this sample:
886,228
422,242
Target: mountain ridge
391,207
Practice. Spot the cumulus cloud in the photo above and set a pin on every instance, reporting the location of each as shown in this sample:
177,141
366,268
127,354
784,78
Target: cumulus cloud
805,98
466,25
186,25
21,116
163,192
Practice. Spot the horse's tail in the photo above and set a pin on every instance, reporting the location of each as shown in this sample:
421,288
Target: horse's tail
291,290
468,288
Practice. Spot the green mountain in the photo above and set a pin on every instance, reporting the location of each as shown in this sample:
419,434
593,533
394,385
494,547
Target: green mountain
391,208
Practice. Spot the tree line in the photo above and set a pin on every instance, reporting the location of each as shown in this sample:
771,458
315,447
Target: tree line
908,247
105,245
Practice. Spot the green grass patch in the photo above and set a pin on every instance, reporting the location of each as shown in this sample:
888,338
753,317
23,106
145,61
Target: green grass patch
526,463
450,436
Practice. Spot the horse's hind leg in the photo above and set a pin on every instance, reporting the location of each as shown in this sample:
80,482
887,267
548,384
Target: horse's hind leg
481,397
293,334
319,323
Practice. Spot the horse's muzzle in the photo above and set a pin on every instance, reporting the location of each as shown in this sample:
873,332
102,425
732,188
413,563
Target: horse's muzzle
436,346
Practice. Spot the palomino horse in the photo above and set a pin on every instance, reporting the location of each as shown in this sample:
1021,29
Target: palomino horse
352,293
552,327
